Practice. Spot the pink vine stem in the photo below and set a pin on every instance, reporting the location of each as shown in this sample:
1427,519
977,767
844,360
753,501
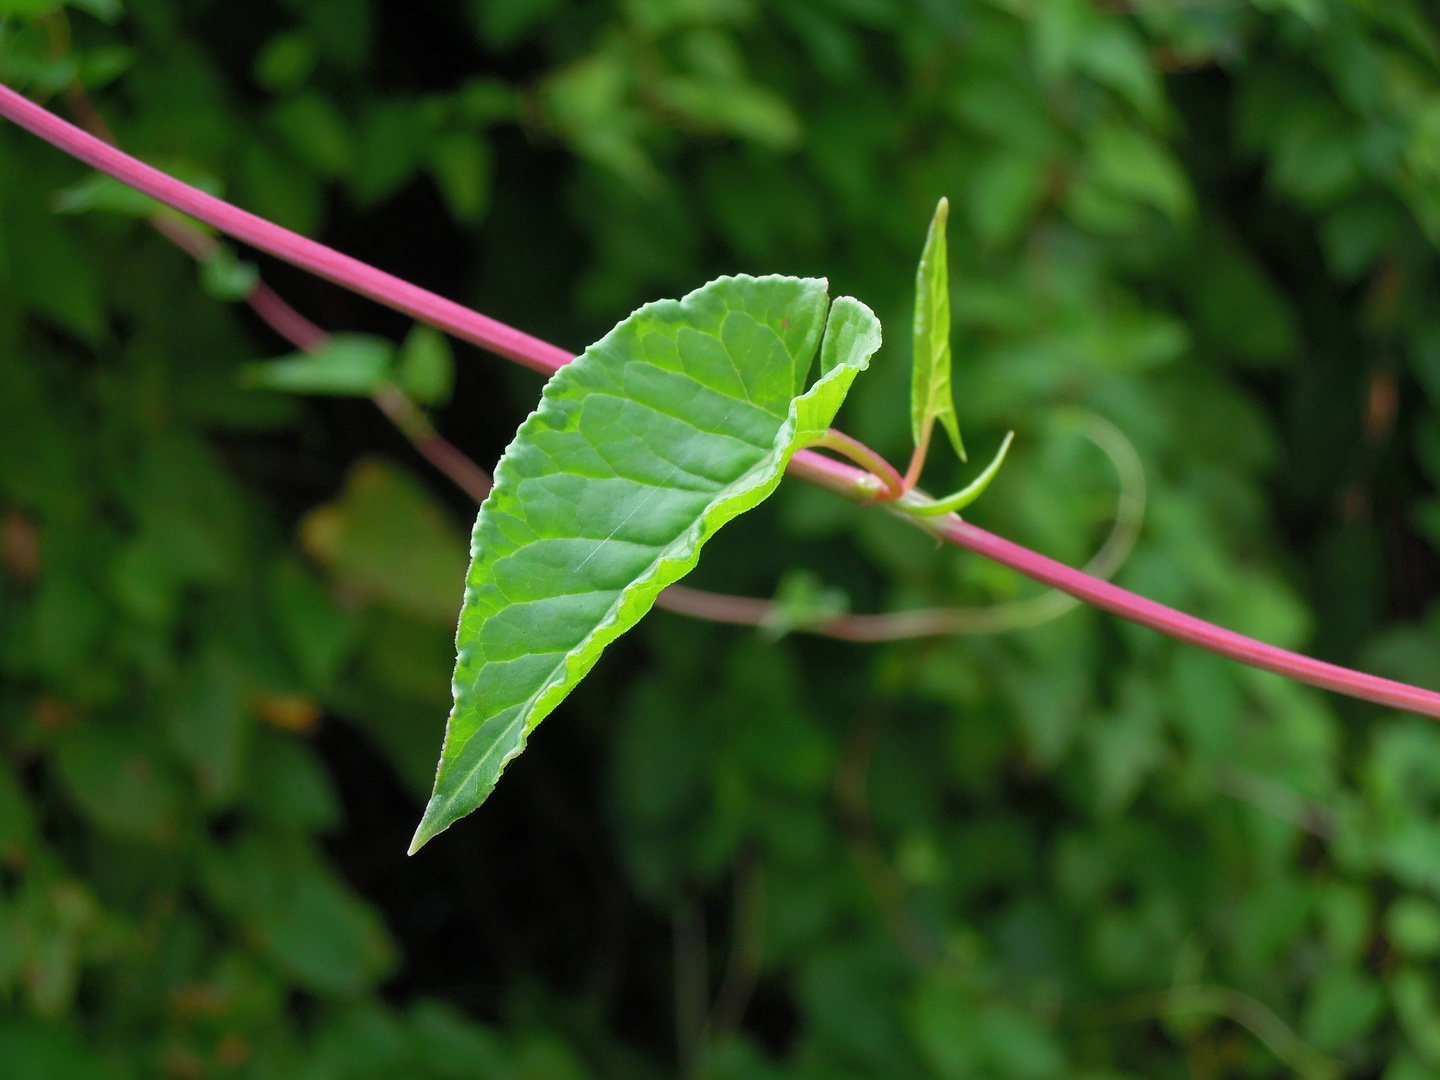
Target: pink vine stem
341,269
541,356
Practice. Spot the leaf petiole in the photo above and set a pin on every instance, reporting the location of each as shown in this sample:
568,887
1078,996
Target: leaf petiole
917,458
966,495
867,459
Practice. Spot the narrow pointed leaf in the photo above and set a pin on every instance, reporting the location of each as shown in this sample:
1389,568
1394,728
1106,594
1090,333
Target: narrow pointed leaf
968,494
931,398
679,419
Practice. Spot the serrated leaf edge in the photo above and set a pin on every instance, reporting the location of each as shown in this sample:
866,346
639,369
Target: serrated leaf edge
744,494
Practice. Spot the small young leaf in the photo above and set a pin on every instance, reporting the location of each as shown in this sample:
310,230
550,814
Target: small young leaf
460,163
427,367
968,494
679,419
99,67
226,277
803,600
101,192
104,10
351,365
930,394
285,62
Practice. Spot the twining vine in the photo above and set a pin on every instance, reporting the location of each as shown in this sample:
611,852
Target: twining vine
683,416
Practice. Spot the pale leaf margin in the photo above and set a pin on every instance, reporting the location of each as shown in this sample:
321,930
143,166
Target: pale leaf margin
477,748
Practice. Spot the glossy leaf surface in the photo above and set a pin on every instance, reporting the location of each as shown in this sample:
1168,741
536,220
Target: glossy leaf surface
679,419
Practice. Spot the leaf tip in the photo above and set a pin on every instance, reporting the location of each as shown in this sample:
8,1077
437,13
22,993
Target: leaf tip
424,833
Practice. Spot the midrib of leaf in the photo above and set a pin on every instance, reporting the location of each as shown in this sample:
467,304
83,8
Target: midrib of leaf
647,404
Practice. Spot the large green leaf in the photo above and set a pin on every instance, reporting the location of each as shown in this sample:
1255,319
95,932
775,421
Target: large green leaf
679,419
930,394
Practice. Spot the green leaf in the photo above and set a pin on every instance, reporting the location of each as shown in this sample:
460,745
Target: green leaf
460,163
1413,926
503,22
351,365
930,395
101,192
227,277
285,62
100,67
679,419
27,9
115,780
803,600
386,539
970,492
427,366
317,931
317,133
104,10
98,192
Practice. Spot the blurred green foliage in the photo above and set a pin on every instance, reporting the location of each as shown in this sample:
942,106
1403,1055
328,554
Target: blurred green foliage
1075,850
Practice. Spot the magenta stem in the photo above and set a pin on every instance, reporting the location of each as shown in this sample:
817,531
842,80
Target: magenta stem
1177,624
862,455
384,288
833,475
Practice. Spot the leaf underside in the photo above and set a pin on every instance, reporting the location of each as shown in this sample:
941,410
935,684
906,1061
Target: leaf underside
931,397
679,419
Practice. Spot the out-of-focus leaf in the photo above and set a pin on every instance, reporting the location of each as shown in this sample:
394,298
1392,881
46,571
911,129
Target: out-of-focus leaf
37,1051
289,786
1003,194
931,397
117,782
316,133
27,9
47,267
426,370
210,725
101,192
484,101
503,22
17,820
1238,305
1413,926
313,927
961,1038
226,277
104,10
343,30
803,600
277,188
348,365
734,107
98,68
588,103
460,163
285,63
316,630
590,519
387,151
1126,170
452,1045
386,539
